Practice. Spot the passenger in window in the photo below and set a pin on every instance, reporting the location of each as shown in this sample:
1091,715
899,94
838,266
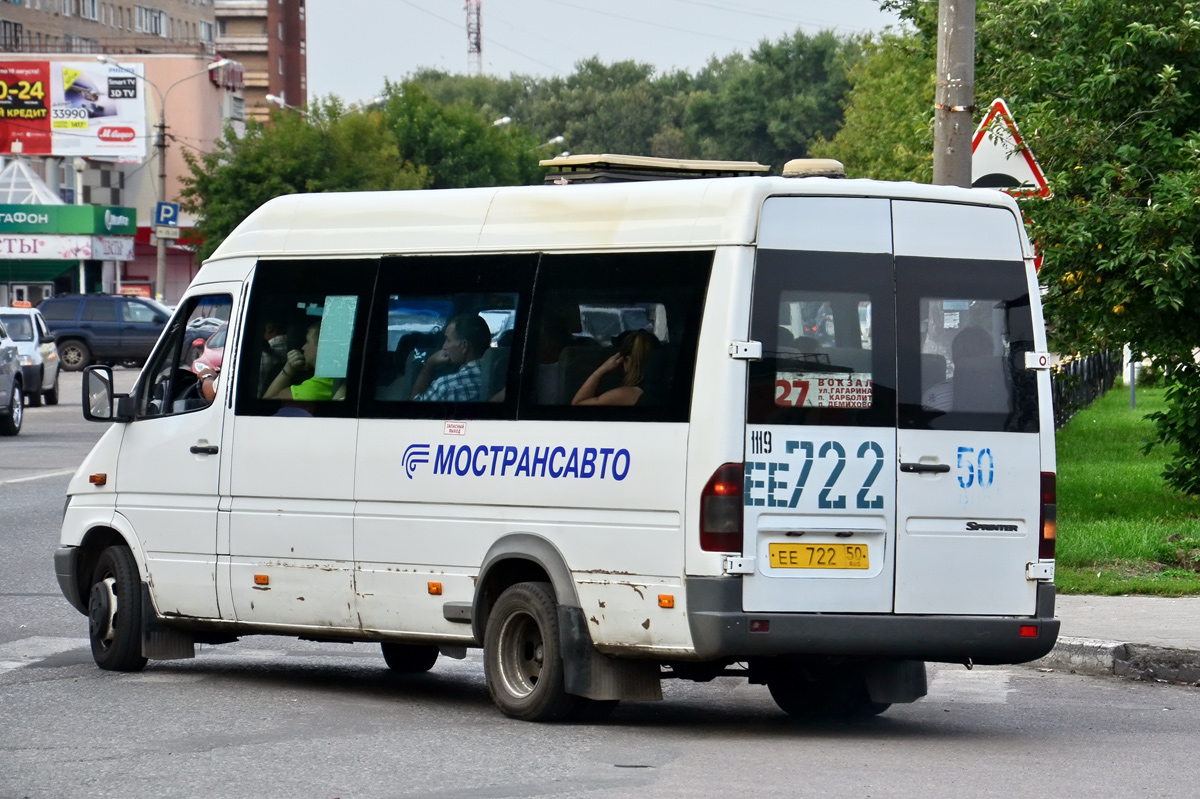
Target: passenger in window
970,342
632,356
291,383
555,333
466,338
274,353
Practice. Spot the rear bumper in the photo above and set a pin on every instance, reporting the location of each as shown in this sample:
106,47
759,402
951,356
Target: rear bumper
721,629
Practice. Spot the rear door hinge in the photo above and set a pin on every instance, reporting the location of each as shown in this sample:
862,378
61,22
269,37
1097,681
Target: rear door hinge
738,565
1039,571
745,350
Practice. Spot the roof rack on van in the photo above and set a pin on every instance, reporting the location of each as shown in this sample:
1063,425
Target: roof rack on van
608,168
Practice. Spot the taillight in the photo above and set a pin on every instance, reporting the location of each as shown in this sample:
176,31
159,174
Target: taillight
721,510
1049,517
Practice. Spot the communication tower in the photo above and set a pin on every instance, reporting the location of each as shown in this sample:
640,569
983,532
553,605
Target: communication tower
474,38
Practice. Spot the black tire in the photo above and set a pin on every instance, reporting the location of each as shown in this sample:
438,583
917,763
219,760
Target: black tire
409,658
522,658
34,398
823,694
10,420
74,355
115,612
51,394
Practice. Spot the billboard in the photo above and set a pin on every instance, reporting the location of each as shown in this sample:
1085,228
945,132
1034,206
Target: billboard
69,108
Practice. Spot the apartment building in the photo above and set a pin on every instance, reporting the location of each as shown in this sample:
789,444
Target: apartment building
268,38
99,26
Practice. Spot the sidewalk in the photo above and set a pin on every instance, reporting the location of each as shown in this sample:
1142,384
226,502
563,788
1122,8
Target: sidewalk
1145,637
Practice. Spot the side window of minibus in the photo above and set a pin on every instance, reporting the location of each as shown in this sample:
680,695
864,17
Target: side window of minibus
172,378
443,333
303,338
614,336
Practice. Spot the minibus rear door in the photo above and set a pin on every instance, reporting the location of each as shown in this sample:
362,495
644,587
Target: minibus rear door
968,498
820,468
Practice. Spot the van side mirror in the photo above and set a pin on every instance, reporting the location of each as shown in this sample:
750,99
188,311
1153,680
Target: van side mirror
49,338
100,402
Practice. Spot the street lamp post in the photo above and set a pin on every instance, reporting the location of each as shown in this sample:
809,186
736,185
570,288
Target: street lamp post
160,144
275,99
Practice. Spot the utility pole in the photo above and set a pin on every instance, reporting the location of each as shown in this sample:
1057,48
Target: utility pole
160,281
954,101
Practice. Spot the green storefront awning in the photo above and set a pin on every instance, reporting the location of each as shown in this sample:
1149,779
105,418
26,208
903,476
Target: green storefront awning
92,220
34,271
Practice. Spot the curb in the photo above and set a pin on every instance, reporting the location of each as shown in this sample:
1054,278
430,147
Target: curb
1114,658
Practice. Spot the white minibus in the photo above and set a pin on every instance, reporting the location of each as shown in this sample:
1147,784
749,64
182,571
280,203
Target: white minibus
793,430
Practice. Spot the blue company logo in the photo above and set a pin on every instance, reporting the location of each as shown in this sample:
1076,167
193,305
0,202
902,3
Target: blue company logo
581,463
413,456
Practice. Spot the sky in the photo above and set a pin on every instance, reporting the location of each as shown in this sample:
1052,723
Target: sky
353,45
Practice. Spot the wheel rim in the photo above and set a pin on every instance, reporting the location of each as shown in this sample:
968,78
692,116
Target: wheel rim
102,611
522,654
71,355
18,406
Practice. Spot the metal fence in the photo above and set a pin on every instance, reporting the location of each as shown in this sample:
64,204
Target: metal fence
1078,382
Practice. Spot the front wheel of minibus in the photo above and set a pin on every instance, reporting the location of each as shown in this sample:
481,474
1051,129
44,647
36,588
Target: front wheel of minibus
522,657
115,612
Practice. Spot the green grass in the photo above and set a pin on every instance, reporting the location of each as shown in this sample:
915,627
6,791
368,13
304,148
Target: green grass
1120,529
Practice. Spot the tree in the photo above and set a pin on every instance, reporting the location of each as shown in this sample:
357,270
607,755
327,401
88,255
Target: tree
768,106
459,146
1106,92
888,129
775,103
413,142
322,151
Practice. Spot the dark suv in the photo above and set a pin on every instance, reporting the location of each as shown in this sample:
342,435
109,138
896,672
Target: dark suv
110,328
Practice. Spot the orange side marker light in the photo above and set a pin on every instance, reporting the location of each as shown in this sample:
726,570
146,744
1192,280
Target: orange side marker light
435,589
666,600
98,479
262,579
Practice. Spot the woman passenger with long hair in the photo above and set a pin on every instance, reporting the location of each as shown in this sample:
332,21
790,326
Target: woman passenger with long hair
633,357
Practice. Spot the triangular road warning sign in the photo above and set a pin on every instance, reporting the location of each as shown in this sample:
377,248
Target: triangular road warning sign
1000,159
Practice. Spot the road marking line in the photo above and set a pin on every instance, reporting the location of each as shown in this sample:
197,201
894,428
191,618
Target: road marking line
37,477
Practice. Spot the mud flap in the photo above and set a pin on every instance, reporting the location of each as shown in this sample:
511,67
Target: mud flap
896,682
589,674
160,642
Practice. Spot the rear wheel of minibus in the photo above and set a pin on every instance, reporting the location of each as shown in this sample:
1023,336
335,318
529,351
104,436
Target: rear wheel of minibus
822,690
523,662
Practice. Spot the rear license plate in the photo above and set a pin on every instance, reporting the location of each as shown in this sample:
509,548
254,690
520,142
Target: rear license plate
818,556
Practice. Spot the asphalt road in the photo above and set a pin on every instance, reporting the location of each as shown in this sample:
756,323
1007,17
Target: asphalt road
274,717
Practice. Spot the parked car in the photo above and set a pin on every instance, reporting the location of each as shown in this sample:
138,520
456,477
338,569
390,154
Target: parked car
109,328
37,350
12,394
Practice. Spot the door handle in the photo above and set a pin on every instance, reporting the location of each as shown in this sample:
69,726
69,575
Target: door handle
920,468
199,449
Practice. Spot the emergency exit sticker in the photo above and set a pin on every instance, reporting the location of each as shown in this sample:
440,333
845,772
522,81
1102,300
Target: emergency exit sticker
823,390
